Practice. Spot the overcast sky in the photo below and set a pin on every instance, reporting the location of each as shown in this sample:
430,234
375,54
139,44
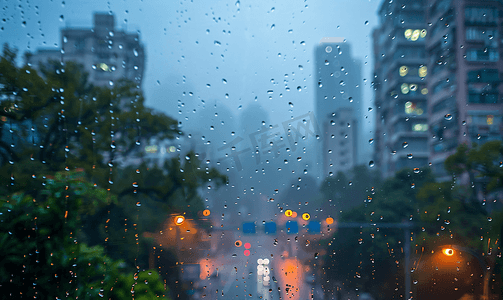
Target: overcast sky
194,46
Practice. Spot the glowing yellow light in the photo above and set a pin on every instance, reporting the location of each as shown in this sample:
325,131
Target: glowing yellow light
330,220
179,220
306,216
423,33
408,33
424,91
423,71
172,149
415,35
404,88
419,111
404,70
448,251
288,213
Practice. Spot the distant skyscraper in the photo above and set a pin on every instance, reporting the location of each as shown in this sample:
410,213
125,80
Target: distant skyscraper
400,71
465,99
106,52
338,98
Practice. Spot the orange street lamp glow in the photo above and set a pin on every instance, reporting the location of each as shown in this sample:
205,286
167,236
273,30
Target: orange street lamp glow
206,212
179,220
306,216
294,214
448,251
330,220
288,213
238,243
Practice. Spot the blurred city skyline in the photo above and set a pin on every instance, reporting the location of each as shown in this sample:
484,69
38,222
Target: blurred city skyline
231,53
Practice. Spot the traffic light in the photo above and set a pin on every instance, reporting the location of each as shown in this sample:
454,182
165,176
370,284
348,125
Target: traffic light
247,251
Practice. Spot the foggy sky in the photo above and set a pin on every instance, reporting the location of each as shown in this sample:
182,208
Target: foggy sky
226,51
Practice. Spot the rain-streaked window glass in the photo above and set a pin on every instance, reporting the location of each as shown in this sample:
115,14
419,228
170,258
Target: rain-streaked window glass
251,149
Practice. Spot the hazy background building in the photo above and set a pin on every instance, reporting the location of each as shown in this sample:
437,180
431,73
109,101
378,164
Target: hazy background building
337,105
463,48
400,74
106,52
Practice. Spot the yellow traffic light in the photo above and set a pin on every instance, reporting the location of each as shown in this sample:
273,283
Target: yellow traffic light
448,251
179,220
306,216
288,213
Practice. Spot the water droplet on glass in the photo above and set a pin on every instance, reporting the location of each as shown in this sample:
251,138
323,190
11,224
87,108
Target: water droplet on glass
448,117
61,18
371,164
405,145
366,22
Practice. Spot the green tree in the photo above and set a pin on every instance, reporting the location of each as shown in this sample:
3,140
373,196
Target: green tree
41,252
480,162
56,120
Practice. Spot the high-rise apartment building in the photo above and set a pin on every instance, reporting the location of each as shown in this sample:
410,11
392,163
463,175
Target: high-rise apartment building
337,105
464,47
400,82
106,52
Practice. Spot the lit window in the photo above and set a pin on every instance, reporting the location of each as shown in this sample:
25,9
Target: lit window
490,120
423,33
409,107
408,33
424,91
420,127
104,67
423,71
415,35
151,149
404,70
404,88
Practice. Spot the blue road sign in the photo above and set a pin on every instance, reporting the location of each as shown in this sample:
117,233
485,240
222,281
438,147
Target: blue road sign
292,227
314,227
270,228
249,227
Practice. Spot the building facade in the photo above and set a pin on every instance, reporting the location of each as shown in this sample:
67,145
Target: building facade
464,49
337,106
106,52
400,83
